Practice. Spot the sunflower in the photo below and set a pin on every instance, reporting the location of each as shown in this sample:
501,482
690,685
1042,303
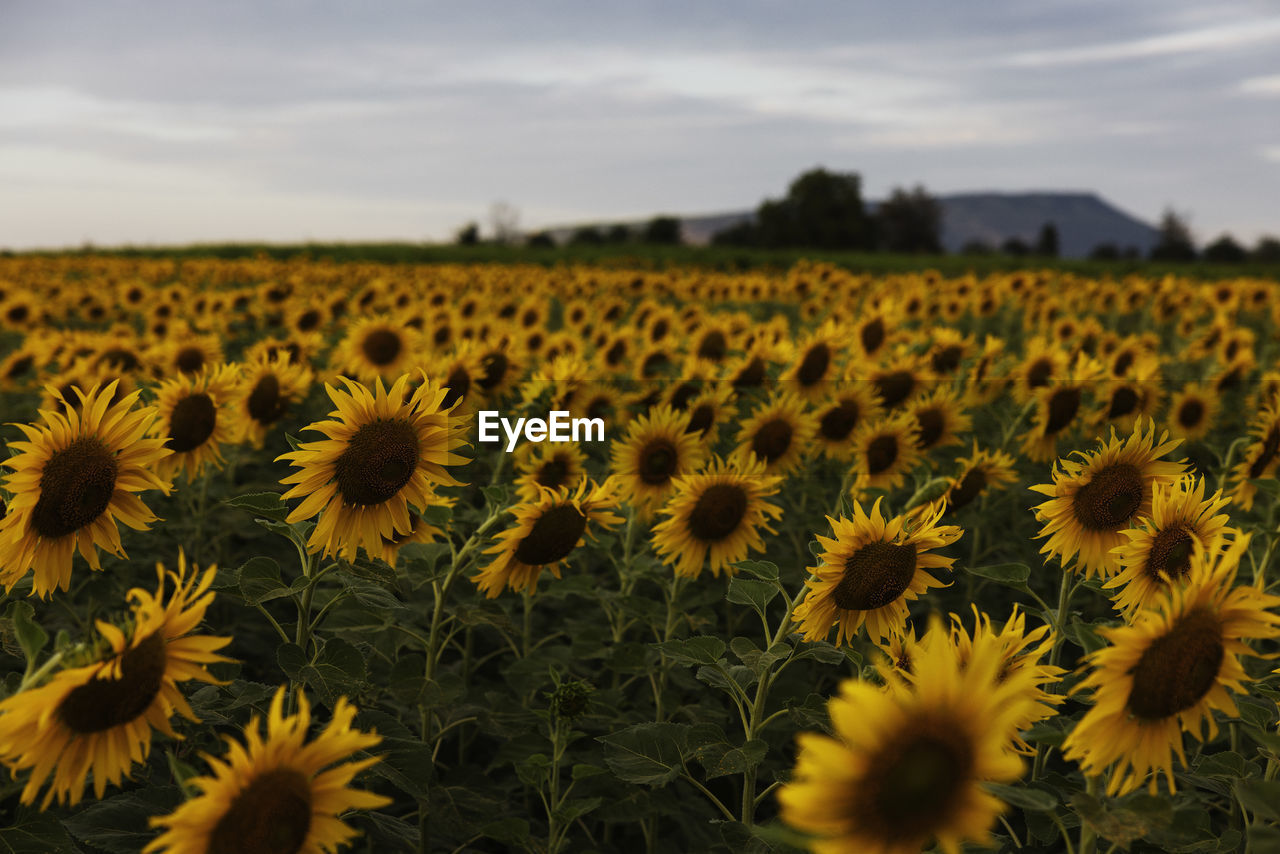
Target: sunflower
278,794
73,478
498,369
1166,673
1058,405
97,718
1020,655
185,353
815,362
908,763
420,531
883,452
269,386
1137,395
870,571
838,419
1192,411
939,417
198,414
545,533
898,382
948,349
980,471
709,410
1261,457
658,448
1094,500
547,465
716,515
383,454
1159,549
1042,364
376,348
778,433
984,384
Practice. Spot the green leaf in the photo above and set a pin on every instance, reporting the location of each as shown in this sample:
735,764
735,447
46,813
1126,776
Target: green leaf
757,594
761,569
437,515
31,637
823,652
723,758
534,770
1225,764
572,810
1260,797
1255,712
649,754
41,833
118,824
338,671
1037,800
1085,635
260,580
293,441
268,505
1008,574
582,771
292,659
1264,837
496,496
1267,740
1269,485
696,650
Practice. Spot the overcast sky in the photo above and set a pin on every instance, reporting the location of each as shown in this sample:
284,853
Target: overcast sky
162,122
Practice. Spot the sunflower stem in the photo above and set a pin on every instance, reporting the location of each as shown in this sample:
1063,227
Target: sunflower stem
1065,592
34,677
1088,838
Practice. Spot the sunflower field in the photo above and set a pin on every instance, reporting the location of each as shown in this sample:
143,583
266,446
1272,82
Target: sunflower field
855,563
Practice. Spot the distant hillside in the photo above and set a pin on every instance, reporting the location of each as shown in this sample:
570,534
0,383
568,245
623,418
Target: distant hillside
1083,220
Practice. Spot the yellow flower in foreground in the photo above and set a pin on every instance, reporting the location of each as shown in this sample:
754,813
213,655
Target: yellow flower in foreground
278,794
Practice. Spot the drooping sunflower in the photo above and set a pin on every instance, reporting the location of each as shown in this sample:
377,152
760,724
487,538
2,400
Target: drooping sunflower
1136,395
838,419
97,717
714,517
1166,672
1261,457
281,793
73,478
884,451
269,386
657,449
778,433
383,454
908,763
898,381
1058,407
1159,549
940,418
816,362
710,409
198,414
870,571
1042,363
1094,500
547,465
545,533
980,471
1192,411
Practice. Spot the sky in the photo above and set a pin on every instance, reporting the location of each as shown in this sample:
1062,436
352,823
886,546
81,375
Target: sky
160,122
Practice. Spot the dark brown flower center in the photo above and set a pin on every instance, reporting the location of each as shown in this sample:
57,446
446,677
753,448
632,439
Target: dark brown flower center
1123,402
814,365
653,364
119,359
1178,668
882,453
271,815
658,461
701,419
381,346
838,422
265,404
713,346
105,703
552,473
493,368
308,320
458,384
20,366
684,393
751,374
18,313
718,512
192,422
969,488
190,359
1110,498
946,359
875,575
1190,413
1063,406
1270,446
1039,372
75,488
378,461
916,782
553,536
894,386
932,422
872,335
1170,553
772,440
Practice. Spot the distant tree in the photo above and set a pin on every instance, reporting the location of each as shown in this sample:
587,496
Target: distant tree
1267,251
618,233
1105,252
1175,242
976,247
468,235
909,221
662,229
541,240
504,220
1225,250
1131,253
587,235
1047,241
1016,247
742,234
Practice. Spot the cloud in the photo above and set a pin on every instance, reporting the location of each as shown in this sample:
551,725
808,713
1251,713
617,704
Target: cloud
1215,39
1268,86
